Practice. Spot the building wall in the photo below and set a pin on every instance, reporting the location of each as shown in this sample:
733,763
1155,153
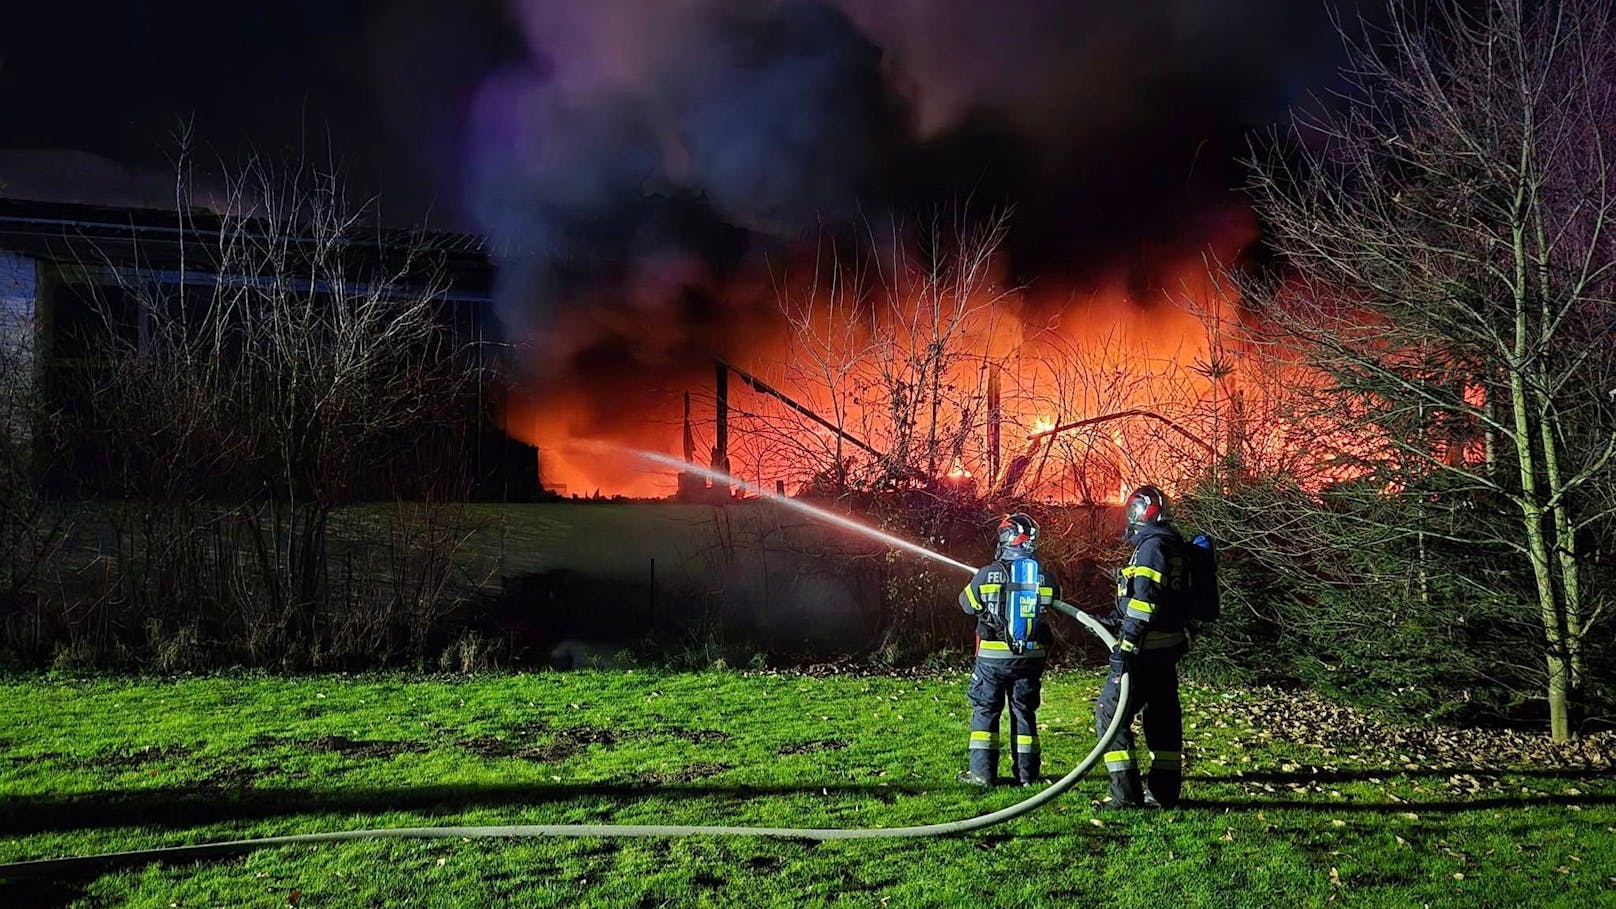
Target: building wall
19,297
19,290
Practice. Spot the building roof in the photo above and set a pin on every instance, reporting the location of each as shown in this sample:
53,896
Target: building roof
163,239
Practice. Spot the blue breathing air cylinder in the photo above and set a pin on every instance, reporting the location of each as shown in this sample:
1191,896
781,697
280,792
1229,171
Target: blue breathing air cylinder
1021,606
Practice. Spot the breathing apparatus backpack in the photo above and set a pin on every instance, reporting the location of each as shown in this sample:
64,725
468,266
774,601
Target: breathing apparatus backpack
1201,604
1020,607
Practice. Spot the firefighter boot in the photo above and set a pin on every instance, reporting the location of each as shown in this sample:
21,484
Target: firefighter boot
1125,789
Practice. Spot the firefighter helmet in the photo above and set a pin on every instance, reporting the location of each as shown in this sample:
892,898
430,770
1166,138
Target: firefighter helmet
1147,506
1018,535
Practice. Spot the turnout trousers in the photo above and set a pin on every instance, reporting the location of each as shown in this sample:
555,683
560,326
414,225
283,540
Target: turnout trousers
1154,693
995,683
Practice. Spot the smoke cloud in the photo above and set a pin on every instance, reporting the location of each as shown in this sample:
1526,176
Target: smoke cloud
705,132
646,163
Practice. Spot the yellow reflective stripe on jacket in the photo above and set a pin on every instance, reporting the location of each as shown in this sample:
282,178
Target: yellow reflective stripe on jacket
976,605
1001,645
991,588
1161,640
1141,607
999,650
1142,571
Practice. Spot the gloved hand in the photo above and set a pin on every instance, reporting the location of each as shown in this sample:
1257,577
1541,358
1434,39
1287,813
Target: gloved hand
1121,660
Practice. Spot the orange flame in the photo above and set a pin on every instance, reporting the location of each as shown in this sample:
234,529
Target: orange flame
1124,376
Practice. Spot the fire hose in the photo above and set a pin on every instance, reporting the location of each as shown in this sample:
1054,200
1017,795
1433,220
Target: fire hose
79,864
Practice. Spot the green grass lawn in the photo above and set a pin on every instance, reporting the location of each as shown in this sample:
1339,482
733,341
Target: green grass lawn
1295,802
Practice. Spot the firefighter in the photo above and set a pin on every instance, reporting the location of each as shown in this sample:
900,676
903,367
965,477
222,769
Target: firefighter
1152,638
1008,597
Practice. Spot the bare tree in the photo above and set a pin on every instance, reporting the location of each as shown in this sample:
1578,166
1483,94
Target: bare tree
1114,411
291,359
1446,235
890,347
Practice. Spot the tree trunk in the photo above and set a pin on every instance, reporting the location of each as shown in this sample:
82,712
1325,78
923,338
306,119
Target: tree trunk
1565,537
1542,571
1532,506
1565,534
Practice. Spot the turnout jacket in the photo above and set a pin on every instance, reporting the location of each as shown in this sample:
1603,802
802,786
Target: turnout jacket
982,598
1149,591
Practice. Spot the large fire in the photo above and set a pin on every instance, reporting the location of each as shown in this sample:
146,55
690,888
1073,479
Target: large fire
894,377
1028,394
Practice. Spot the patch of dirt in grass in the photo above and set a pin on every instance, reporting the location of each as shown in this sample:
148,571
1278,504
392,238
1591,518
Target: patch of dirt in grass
559,744
18,760
234,777
126,757
584,736
341,744
812,747
362,748
706,879
548,745
765,863
488,746
687,774
693,736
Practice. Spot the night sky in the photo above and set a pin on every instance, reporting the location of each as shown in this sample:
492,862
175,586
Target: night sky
93,93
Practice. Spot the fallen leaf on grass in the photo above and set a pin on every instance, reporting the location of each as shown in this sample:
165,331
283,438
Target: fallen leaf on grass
1096,822
1228,835
1458,875
1337,822
293,897
1335,878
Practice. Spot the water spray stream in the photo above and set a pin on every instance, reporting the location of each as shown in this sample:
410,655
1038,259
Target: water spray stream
821,514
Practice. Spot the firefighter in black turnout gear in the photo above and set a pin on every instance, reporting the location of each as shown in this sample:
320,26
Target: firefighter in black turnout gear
1153,618
1009,597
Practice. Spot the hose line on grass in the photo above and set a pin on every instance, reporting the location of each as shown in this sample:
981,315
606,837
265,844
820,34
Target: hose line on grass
78,864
